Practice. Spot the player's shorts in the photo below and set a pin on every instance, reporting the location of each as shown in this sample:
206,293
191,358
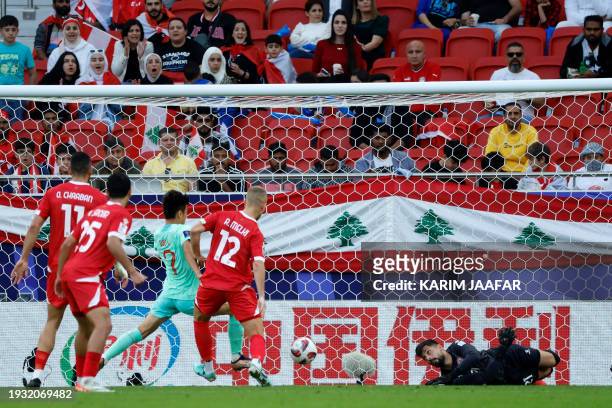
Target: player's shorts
242,303
52,298
85,295
166,307
521,364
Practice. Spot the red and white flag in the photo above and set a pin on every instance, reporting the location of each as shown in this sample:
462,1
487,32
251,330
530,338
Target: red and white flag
150,120
93,11
100,40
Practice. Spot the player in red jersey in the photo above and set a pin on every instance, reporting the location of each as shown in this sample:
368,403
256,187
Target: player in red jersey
65,205
236,243
93,247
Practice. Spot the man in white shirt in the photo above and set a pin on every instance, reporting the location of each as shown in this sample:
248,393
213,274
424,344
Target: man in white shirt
594,158
515,55
577,10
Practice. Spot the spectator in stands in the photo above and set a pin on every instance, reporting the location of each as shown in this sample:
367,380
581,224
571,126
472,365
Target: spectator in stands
180,50
515,56
221,164
153,71
543,13
212,27
129,54
242,56
538,155
52,125
590,54
438,15
194,76
371,29
204,135
155,19
97,73
72,42
66,71
577,10
15,61
493,163
496,15
277,164
277,68
24,149
63,154
49,32
304,37
214,63
329,162
339,55
171,162
417,69
511,139
6,138
331,6
115,161
382,158
454,154
594,157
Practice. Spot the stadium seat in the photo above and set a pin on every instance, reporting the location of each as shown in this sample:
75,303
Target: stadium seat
533,40
253,12
579,107
432,39
31,129
41,68
335,131
557,133
401,13
481,130
597,128
88,136
187,8
561,38
126,130
387,65
289,12
470,43
453,68
259,37
295,133
302,65
545,67
247,131
483,68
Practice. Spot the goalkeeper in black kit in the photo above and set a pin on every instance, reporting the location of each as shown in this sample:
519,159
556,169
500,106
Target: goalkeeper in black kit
510,364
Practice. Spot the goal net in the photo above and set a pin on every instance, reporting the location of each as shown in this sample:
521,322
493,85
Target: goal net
397,213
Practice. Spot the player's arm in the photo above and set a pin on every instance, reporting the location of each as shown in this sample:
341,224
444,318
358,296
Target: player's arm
259,273
115,247
21,267
470,356
65,250
191,260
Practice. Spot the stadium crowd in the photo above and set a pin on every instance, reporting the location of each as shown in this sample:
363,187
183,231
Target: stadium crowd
334,41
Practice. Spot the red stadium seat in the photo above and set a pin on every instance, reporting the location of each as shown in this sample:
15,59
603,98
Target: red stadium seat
253,12
88,136
289,12
259,37
483,68
401,13
453,68
557,133
597,128
176,77
294,133
432,39
545,67
580,107
41,68
387,65
187,8
470,43
482,129
561,38
335,132
247,131
126,130
533,40
302,65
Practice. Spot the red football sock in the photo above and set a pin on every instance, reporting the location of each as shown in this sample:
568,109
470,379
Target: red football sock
40,359
257,346
80,364
203,339
92,362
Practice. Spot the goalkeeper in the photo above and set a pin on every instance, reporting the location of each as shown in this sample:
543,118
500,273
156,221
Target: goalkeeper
512,364
172,243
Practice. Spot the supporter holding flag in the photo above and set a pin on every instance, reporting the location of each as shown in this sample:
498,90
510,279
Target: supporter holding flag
49,32
72,42
98,13
277,68
242,56
155,19
129,54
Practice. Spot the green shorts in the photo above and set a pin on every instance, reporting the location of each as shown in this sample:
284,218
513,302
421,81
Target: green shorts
165,307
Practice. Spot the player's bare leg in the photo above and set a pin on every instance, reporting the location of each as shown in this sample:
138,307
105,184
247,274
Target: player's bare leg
254,332
548,360
46,342
99,321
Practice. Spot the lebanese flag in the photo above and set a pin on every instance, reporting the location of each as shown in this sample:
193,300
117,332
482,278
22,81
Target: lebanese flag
92,11
100,40
124,10
150,120
273,75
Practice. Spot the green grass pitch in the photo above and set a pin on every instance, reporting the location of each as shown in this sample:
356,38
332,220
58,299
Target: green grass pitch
338,396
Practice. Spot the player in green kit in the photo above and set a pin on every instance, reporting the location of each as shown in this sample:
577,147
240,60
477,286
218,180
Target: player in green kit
172,244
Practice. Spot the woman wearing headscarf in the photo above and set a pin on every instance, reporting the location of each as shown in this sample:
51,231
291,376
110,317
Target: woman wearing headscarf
73,42
129,54
214,63
153,71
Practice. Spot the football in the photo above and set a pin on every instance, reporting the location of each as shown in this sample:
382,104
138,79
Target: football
303,350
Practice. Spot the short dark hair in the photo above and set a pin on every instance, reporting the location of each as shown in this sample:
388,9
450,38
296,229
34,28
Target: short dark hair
310,3
80,164
380,77
277,147
118,185
595,18
492,162
427,343
453,149
372,130
23,143
178,19
8,20
511,105
329,152
248,40
209,77
65,148
112,142
220,145
168,130
514,44
274,39
191,71
174,201
129,24
538,150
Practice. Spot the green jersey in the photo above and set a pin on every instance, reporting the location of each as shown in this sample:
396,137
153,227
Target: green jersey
180,282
